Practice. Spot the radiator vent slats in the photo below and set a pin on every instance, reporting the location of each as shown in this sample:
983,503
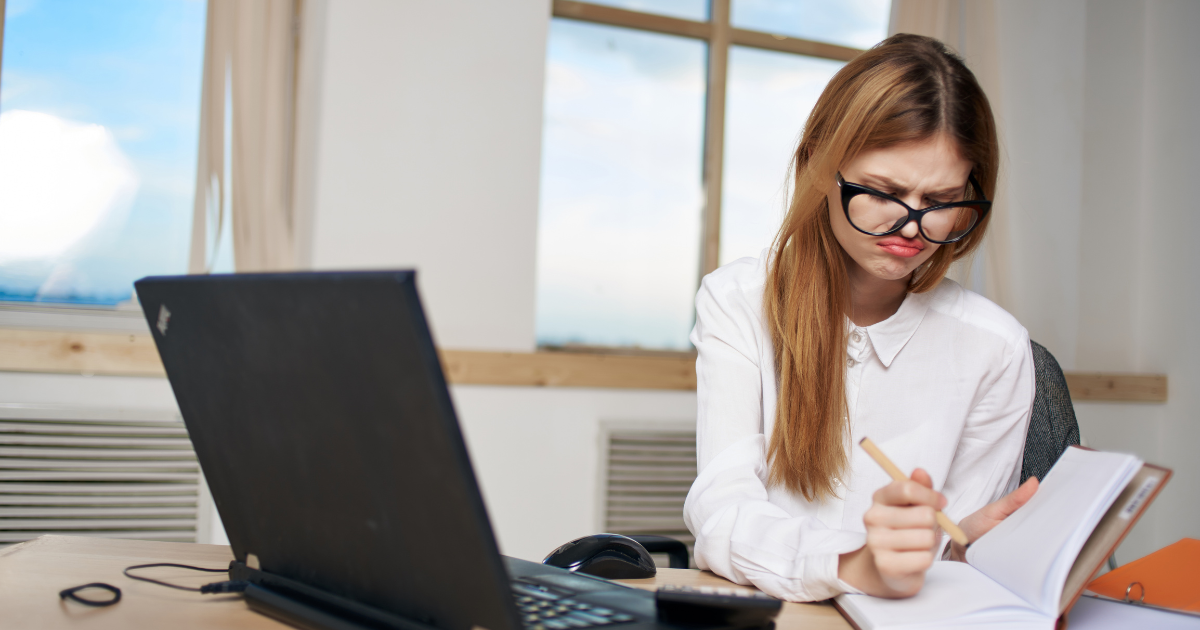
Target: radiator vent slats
91,473
183,535
649,474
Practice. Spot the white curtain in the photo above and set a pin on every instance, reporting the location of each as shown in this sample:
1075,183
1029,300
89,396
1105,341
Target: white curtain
969,27
250,48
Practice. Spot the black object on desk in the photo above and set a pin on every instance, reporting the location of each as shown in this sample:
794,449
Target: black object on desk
610,556
320,416
708,606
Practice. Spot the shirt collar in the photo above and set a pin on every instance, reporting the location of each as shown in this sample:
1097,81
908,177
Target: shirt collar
889,336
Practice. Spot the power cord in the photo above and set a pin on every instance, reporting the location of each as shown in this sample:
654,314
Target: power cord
215,587
228,586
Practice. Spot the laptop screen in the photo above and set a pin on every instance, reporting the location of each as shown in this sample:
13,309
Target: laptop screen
320,415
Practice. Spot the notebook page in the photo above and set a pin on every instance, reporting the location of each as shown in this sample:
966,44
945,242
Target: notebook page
955,595
1031,552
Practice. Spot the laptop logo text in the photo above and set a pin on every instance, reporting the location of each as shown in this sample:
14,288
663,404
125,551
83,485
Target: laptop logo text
164,316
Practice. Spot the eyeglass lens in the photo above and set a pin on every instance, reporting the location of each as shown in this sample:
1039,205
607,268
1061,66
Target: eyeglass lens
878,215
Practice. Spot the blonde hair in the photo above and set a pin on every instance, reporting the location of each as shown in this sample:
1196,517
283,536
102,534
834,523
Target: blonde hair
906,88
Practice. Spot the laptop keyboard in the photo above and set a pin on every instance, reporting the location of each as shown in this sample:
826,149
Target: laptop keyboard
543,609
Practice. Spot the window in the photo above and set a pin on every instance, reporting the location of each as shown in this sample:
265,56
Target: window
668,129
621,187
99,123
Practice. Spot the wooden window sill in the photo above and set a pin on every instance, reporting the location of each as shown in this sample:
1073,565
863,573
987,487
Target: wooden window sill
52,351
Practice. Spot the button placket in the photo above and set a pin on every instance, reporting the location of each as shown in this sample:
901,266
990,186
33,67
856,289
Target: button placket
833,510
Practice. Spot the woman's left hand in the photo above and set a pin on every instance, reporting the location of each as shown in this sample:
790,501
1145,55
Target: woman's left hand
990,515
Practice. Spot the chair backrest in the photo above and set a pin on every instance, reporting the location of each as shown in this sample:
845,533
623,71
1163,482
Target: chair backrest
1052,427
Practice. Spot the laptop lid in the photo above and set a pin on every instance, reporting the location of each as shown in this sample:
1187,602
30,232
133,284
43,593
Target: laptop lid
321,419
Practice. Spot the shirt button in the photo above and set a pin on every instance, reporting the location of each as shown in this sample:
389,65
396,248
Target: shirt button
857,336
851,362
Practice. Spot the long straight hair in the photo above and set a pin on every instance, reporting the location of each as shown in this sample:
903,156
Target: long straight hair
907,88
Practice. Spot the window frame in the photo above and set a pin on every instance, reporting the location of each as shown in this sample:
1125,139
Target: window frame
719,34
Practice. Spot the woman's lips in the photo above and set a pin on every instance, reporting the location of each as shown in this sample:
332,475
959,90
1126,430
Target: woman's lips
902,247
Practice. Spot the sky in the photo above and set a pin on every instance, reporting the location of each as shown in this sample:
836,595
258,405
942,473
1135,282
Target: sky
621,191
619,222
769,97
99,119
113,89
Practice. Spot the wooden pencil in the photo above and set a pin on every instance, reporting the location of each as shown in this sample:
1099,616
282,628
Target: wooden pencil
956,534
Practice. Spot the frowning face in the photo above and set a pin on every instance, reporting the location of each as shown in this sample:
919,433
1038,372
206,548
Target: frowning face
923,173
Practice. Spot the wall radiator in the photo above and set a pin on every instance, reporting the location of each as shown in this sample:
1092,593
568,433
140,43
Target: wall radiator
648,474
94,472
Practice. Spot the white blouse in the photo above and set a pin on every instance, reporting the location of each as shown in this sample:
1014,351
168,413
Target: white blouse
945,384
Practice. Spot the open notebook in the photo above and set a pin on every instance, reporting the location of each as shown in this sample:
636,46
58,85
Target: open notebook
1032,567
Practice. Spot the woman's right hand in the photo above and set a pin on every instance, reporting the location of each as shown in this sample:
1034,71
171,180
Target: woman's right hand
901,539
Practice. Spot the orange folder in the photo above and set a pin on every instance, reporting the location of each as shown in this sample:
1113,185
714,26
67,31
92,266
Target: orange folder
1170,577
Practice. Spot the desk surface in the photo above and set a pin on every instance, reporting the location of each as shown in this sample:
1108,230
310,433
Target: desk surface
32,574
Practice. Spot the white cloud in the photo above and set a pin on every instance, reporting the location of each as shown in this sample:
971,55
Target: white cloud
16,8
58,181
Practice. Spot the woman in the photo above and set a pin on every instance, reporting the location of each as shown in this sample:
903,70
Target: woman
845,329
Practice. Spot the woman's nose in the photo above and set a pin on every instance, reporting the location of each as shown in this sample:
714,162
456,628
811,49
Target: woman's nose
910,230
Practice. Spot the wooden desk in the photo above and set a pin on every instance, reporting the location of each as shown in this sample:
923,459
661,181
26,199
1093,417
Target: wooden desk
32,574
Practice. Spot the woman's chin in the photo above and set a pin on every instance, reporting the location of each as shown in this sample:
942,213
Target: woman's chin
889,267
891,271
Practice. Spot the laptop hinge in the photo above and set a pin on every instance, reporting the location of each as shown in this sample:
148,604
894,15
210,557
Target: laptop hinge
308,607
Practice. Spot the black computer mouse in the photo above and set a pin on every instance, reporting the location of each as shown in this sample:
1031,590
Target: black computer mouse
610,556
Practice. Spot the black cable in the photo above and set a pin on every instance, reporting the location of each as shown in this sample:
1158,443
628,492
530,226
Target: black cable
215,587
73,594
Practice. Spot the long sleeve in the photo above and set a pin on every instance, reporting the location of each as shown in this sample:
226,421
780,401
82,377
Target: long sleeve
987,463
743,536
744,531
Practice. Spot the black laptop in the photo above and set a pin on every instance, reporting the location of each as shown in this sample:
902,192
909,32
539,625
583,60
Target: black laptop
322,422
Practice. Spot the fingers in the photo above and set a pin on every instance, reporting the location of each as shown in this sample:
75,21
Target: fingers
902,531
901,540
903,565
1024,493
910,492
920,476
1013,500
900,517
984,519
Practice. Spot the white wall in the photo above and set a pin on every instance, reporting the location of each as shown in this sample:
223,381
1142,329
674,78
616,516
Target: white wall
1041,73
110,392
428,155
1168,301
1098,102
537,452
428,146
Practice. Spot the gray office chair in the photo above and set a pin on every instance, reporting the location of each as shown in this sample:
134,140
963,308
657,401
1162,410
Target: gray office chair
1052,425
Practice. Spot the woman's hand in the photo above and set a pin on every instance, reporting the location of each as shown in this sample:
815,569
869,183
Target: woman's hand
990,515
901,539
